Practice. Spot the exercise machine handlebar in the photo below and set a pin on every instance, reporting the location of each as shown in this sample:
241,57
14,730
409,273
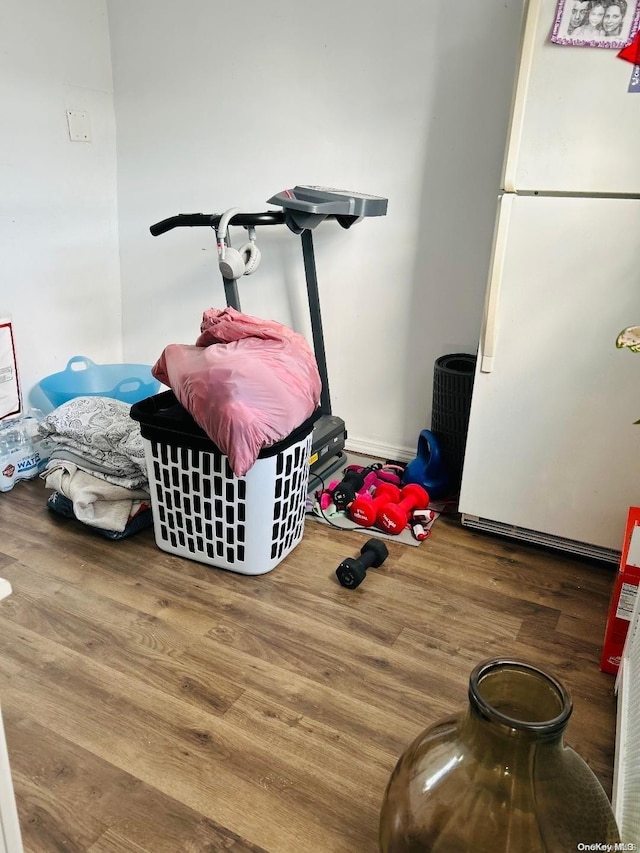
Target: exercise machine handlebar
211,220
247,220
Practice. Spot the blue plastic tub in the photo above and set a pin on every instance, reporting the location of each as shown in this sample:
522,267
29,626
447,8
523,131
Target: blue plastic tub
129,383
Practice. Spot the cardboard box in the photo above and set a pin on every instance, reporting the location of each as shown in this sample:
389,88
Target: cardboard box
623,597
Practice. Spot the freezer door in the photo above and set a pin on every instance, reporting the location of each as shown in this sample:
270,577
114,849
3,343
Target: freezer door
552,446
575,127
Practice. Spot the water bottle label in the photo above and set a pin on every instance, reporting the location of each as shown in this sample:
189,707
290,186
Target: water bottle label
7,475
28,465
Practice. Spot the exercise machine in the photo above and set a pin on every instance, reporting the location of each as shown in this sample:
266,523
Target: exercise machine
303,208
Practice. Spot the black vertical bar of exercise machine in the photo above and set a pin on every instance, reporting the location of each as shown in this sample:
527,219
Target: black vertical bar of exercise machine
231,293
316,318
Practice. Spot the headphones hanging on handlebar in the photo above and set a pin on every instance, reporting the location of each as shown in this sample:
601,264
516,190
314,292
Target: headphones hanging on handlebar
235,263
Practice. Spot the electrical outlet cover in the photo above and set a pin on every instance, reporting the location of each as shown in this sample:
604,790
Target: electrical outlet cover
79,127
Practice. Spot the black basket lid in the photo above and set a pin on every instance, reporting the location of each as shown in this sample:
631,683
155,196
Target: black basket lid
164,413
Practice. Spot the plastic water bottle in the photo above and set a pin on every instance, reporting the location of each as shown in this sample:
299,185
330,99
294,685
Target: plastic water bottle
41,444
18,458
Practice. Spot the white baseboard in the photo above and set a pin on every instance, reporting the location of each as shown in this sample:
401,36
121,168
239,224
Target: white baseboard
5,588
380,451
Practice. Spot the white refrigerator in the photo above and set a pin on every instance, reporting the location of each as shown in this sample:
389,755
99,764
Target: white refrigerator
552,453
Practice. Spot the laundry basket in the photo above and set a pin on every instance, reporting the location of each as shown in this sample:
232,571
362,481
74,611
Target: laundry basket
202,511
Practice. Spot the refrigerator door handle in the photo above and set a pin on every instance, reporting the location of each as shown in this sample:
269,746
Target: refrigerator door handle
530,37
490,330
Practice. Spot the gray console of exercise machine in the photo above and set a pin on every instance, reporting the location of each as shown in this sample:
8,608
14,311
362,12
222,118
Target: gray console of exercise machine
303,208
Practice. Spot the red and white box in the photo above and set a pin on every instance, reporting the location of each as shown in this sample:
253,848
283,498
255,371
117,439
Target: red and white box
10,403
623,597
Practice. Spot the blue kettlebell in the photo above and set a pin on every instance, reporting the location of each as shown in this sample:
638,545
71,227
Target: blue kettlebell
427,469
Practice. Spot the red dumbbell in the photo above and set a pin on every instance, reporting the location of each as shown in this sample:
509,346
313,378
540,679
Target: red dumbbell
393,517
364,510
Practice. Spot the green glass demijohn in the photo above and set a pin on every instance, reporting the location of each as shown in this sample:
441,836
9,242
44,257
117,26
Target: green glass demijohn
497,777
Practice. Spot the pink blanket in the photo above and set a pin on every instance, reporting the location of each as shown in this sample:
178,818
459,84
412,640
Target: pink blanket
247,382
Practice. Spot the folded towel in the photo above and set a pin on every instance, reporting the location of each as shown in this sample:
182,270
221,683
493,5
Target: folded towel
140,521
96,502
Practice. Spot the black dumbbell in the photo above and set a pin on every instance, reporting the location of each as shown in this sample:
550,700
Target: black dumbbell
347,489
352,571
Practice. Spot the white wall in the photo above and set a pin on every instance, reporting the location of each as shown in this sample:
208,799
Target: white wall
59,277
223,104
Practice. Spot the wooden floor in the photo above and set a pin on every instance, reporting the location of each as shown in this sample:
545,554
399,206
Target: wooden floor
154,704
